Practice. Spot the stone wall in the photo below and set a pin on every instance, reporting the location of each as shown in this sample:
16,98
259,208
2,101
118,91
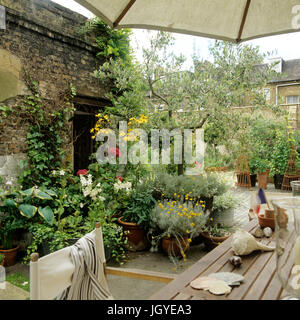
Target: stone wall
44,39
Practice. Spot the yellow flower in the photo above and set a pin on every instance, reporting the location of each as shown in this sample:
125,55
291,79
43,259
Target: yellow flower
211,219
187,231
189,240
192,224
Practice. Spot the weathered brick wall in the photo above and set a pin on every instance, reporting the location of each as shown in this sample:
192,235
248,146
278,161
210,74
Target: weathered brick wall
42,37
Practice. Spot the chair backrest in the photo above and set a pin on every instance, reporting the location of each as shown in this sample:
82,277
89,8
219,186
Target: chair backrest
52,274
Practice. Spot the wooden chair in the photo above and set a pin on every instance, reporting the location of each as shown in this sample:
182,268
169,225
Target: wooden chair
52,274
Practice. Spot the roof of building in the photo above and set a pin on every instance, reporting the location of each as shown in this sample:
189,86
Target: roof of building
290,71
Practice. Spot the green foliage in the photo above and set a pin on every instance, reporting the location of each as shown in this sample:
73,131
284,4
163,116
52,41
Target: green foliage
48,125
217,230
195,187
178,219
2,257
19,280
225,201
139,208
280,155
111,43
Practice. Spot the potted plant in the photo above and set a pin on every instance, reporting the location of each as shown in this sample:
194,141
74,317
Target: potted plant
135,219
279,160
176,223
18,206
253,165
262,172
213,235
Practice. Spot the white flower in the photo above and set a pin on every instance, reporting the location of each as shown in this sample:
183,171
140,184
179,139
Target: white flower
101,198
9,183
62,172
54,172
81,205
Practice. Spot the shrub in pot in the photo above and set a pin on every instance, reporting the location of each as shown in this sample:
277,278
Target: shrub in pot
135,219
280,158
176,223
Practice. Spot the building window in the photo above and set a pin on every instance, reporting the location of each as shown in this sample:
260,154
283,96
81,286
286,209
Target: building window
267,93
292,99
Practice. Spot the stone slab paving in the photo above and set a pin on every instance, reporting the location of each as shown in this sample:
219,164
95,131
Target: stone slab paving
12,292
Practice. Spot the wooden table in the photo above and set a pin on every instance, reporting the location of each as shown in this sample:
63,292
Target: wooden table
259,269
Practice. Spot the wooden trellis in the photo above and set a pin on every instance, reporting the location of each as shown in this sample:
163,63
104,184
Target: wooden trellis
242,172
291,172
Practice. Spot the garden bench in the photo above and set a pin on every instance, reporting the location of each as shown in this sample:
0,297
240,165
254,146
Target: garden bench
259,269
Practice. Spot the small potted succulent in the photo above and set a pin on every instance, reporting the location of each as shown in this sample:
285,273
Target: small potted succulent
214,235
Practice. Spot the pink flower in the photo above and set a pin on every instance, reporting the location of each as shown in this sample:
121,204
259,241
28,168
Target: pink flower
114,152
120,178
82,172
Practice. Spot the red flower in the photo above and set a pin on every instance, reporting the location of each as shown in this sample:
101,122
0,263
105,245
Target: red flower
82,172
120,178
114,152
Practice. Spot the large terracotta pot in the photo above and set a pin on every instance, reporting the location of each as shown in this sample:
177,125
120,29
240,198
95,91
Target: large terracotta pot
212,242
171,246
10,256
136,236
262,178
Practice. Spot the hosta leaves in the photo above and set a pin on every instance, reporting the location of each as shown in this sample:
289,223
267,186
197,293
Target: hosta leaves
51,193
27,192
47,214
42,195
27,210
10,203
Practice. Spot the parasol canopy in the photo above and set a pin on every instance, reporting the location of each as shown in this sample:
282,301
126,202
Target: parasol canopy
232,20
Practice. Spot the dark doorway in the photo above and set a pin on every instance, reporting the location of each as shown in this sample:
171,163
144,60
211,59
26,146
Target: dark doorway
84,120
83,143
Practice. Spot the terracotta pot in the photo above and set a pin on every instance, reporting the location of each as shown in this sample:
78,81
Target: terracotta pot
171,247
212,242
266,222
262,178
269,214
10,256
136,236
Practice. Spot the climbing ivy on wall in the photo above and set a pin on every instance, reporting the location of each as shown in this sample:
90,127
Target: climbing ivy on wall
48,130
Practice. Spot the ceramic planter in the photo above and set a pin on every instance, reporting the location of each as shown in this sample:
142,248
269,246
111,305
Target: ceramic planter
171,246
136,236
212,242
10,256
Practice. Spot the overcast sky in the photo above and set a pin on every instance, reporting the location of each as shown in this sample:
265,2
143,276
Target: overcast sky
287,46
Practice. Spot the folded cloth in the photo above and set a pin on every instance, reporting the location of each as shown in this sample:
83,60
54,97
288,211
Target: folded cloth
89,281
